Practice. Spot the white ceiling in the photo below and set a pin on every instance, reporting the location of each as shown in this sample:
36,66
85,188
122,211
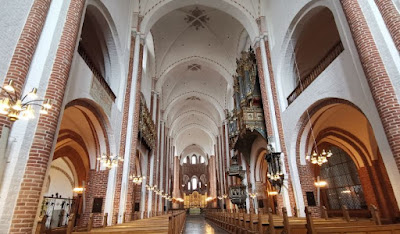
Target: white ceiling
195,51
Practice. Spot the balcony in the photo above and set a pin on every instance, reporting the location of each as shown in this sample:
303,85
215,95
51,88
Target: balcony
89,62
321,66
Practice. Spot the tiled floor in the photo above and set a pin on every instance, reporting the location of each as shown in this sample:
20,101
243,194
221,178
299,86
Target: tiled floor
196,224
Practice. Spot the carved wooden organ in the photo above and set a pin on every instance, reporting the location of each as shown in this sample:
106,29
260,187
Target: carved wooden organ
147,130
246,121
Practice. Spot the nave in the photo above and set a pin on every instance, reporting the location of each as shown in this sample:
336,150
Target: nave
171,116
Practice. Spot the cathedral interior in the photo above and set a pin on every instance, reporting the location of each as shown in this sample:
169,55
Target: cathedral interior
211,116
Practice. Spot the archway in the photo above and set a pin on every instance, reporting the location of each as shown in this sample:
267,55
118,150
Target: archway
338,124
75,172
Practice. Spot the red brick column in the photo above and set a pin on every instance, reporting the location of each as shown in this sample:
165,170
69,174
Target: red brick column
132,161
267,115
96,188
280,127
26,47
391,17
123,131
45,136
379,81
263,89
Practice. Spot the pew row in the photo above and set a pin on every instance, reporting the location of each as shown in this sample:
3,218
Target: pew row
241,222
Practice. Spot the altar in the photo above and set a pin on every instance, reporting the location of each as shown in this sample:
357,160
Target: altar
194,211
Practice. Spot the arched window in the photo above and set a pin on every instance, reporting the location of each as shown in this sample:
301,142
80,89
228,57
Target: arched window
194,159
194,182
199,184
344,185
185,160
189,187
202,159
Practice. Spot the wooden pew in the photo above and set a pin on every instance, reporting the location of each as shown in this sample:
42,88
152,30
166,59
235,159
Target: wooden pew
105,220
172,223
239,222
41,228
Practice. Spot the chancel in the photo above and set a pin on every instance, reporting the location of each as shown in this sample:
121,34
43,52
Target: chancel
211,116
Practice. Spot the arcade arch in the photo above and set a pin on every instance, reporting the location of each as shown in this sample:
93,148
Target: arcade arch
340,125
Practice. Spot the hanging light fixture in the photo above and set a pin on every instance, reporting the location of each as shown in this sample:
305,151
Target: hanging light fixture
253,195
275,175
137,179
151,188
15,106
109,161
315,157
319,159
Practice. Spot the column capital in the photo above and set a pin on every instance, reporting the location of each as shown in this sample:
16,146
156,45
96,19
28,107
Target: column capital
259,38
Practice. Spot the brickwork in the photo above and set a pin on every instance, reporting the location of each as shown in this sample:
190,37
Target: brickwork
280,127
387,190
268,122
130,199
41,149
263,89
26,47
123,131
374,179
391,16
379,82
96,188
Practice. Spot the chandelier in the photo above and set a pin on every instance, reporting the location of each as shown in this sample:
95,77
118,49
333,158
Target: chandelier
109,161
16,107
151,188
275,174
319,159
137,179
253,195
314,158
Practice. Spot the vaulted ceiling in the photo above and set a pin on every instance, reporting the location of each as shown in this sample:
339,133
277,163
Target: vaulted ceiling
195,51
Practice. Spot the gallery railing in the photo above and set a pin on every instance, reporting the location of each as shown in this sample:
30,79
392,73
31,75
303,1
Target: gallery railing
321,66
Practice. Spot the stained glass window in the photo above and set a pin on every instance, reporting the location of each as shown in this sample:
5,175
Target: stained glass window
344,186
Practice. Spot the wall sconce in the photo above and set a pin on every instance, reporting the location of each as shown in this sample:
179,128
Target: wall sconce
78,190
273,193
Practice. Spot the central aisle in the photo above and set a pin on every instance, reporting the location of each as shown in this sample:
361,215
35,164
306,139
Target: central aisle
197,224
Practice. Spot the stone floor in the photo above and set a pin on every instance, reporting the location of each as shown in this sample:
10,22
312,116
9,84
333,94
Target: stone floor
196,224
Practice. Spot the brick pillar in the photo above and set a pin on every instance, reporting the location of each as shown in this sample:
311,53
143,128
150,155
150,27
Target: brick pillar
124,130
267,114
391,17
379,81
132,161
26,47
96,188
29,196
384,191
